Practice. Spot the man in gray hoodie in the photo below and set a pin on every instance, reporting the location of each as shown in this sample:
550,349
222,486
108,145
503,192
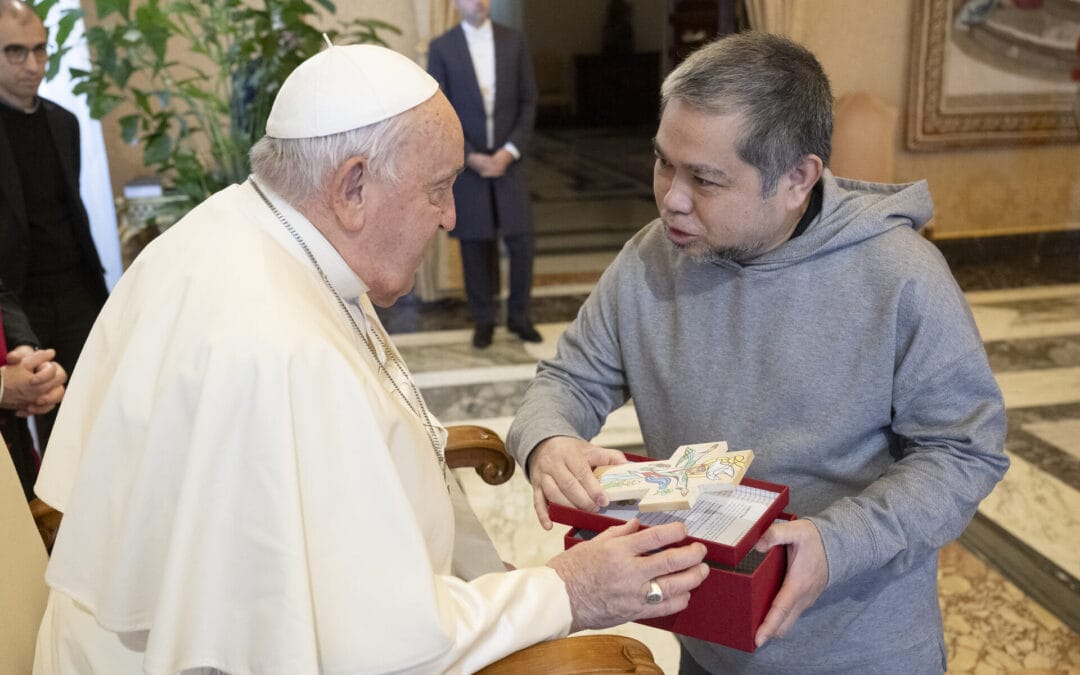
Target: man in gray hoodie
780,308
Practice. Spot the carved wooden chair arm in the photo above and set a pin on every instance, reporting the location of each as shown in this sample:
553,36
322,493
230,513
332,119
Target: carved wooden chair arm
47,520
469,445
578,655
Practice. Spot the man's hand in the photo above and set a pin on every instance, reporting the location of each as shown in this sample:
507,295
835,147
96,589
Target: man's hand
807,575
478,162
501,160
18,354
608,577
561,471
490,166
33,382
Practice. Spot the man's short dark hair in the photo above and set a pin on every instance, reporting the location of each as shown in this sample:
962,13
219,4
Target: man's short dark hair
776,84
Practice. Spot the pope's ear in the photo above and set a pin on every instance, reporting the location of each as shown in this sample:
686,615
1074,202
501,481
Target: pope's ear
347,191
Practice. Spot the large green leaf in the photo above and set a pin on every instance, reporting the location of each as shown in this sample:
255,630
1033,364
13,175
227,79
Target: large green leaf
129,126
106,7
196,123
142,100
103,104
43,7
157,150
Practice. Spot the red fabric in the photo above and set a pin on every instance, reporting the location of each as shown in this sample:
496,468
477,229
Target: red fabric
3,343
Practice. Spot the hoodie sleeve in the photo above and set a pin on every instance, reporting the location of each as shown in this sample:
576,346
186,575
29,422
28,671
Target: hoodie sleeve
949,419
573,393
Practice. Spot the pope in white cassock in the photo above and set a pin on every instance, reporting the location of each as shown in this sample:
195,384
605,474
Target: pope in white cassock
250,480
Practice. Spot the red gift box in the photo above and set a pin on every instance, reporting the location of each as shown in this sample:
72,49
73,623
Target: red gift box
729,606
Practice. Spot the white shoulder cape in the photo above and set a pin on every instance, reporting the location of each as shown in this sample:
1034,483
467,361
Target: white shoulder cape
236,480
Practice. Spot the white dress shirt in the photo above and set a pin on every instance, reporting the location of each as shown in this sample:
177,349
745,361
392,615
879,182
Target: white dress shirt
481,42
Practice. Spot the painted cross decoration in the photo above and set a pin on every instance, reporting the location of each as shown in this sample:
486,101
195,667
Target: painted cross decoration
675,484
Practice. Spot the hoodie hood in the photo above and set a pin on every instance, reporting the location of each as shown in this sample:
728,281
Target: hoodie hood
851,211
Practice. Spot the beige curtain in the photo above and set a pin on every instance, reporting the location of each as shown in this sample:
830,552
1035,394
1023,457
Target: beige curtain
784,17
433,18
440,271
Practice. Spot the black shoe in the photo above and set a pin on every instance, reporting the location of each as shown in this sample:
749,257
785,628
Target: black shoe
525,331
481,336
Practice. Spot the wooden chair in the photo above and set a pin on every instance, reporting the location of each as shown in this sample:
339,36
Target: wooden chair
23,593
864,138
481,448
467,446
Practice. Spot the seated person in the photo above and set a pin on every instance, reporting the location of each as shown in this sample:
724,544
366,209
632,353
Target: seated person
250,479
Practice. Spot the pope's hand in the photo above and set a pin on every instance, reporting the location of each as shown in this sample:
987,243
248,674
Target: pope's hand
561,471
807,575
608,577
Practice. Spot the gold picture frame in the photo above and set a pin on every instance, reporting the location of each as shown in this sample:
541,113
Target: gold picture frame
1025,97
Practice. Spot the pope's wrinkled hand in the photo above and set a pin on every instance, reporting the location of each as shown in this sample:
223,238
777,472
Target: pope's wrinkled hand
807,575
561,471
608,577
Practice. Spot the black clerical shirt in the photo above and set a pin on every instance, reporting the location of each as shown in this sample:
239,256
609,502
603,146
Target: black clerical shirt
812,209
53,247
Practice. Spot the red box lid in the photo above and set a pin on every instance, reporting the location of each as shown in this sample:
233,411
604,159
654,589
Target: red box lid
716,552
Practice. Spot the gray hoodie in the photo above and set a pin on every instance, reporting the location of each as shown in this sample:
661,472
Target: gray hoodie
848,360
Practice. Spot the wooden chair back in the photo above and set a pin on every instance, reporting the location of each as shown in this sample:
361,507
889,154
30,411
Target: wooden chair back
23,592
467,446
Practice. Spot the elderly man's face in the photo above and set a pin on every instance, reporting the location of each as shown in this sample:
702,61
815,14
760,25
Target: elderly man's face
474,11
402,217
709,199
22,35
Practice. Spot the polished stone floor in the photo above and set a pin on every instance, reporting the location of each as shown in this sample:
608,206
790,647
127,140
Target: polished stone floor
1009,589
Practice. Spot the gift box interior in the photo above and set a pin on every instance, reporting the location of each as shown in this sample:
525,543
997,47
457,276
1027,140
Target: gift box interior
729,606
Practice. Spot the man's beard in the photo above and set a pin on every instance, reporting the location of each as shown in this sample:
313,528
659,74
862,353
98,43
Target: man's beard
713,255
720,254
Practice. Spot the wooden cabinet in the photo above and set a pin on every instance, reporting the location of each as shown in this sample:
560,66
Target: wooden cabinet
617,89
695,22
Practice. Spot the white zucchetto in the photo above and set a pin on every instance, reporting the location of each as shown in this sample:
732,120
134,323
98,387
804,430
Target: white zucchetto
347,87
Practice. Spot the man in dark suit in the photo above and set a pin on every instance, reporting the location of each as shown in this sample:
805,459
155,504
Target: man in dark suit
31,383
486,72
47,255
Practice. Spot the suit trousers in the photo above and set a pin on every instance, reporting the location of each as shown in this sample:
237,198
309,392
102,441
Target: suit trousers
62,310
480,259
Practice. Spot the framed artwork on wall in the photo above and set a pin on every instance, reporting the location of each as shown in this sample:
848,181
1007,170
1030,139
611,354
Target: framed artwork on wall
993,72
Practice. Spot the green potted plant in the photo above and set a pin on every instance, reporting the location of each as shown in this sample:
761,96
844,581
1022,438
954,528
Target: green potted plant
197,117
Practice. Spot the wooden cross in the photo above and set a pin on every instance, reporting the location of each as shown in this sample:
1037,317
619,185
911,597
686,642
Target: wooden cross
675,484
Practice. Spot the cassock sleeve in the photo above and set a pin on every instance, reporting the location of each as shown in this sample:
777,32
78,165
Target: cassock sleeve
17,329
383,605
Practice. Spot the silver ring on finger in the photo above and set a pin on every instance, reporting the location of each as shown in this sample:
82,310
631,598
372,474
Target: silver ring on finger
655,596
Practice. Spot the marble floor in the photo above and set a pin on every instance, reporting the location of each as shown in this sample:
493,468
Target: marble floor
1009,587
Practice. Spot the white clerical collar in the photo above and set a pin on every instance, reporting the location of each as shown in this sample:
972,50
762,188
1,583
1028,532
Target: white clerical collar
26,111
341,277
482,30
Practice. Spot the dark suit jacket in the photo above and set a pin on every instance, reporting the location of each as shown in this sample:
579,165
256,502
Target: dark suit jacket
14,433
514,116
14,224
17,329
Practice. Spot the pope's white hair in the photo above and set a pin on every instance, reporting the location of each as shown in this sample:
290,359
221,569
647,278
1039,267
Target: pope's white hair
298,168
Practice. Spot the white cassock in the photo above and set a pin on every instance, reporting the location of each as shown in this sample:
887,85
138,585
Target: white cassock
243,490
